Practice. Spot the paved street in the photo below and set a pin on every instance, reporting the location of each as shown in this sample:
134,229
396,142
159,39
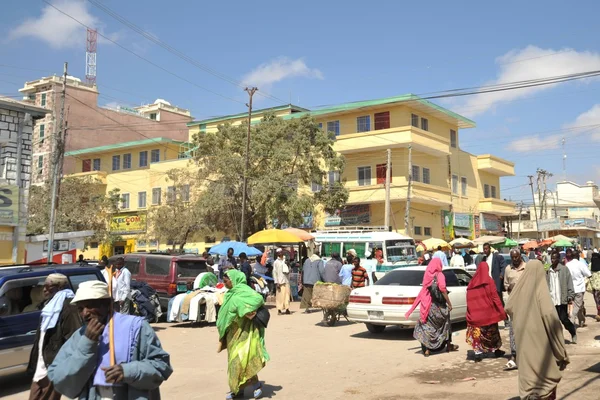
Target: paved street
313,361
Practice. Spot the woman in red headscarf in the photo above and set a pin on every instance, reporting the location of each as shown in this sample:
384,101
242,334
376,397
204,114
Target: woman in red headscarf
433,328
484,311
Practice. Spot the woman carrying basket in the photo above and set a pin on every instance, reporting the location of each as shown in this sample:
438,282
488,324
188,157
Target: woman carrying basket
241,332
433,329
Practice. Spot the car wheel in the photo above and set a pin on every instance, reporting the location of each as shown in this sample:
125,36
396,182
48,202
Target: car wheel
375,328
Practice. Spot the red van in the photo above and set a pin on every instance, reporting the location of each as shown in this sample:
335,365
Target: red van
167,274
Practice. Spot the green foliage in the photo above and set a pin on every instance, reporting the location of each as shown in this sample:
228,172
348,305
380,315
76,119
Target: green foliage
83,205
286,156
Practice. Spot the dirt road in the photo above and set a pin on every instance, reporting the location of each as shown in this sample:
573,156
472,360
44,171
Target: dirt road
312,361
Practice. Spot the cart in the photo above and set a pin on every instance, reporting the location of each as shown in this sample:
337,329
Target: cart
332,299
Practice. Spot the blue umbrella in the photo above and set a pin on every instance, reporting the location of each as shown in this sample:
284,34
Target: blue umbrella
238,247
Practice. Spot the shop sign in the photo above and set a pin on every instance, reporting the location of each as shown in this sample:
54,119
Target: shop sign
359,214
546,225
580,222
476,227
490,223
9,205
462,220
128,223
447,225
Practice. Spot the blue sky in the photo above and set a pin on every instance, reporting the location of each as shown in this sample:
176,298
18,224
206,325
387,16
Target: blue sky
329,52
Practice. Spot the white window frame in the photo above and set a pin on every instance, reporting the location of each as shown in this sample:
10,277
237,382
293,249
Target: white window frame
454,184
363,123
424,124
416,177
125,205
171,194
334,126
364,181
127,165
185,193
453,138
464,185
116,157
159,191
40,160
486,191
146,160
336,177
94,164
316,187
493,192
142,195
152,153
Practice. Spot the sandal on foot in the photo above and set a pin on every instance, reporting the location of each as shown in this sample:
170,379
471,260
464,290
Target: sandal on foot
510,365
257,390
232,395
453,347
426,353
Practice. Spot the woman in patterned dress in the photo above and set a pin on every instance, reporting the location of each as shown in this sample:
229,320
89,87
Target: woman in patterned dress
484,311
433,328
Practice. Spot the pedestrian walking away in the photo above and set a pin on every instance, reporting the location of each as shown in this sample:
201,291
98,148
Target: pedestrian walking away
579,272
346,271
497,266
541,346
83,369
512,274
562,294
332,269
242,333
59,320
439,254
280,276
312,272
484,311
433,327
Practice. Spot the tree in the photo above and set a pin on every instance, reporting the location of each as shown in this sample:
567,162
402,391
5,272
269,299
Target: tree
286,158
82,205
179,217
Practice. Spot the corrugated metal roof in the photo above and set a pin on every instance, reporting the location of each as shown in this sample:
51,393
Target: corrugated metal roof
124,145
245,114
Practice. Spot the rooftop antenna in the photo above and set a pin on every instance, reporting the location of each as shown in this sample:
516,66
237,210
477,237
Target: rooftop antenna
564,160
90,56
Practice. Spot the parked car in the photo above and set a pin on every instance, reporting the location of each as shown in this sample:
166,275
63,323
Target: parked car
21,292
386,302
167,274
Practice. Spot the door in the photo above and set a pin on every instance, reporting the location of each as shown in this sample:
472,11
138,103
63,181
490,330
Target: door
457,295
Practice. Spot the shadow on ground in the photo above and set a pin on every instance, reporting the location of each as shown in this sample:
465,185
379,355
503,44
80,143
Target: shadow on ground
15,383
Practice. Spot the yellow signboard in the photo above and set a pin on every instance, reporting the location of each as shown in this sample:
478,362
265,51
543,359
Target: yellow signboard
9,205
128,223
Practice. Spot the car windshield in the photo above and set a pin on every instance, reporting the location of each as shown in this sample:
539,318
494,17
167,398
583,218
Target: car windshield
190,268
402,278
400,253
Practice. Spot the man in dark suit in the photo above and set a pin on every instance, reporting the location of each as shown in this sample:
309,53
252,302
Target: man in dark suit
496,263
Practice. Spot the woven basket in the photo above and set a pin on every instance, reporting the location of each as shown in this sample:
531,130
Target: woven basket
330,295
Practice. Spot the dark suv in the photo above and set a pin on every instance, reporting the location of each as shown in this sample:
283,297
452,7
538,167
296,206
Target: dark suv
21,292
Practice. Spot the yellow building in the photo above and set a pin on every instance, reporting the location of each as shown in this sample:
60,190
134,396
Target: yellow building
453,193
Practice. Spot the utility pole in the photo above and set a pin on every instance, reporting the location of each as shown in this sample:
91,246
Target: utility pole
407,211
57,160
564,160
388,176
534,207
251,92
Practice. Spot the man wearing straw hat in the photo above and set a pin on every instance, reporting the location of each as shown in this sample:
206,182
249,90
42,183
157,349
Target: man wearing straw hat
59,320
99,362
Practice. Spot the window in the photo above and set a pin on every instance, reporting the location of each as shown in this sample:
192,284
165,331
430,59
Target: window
382,120
156,194
170,194
133,265
155,156
185,193
364,176
116,165
127,161
363,124
414,120
125,201
43,101
416,173
40,164
157,265
76,280
153,116
451,279
143,158
86,165
334,126
141,199
493,192
381,174
316,187
425,124
455,184
463,277
96,164
427,231
320,125
94,245
417,230
333,177
16,298
453,138
426,176
463,185
42,133
486,191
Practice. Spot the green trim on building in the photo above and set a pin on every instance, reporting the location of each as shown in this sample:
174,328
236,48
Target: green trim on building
125,145
224,118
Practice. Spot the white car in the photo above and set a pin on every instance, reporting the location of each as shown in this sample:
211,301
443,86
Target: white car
386,302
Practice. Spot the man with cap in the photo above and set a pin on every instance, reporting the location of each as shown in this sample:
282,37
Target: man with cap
59,320
282,282
82,367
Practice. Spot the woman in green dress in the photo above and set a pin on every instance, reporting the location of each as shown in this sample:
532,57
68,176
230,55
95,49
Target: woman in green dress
241,335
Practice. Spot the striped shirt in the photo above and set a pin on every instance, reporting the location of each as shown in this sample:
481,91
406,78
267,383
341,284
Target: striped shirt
359,275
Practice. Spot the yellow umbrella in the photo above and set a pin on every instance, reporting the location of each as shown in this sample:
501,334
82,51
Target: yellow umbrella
434,243
274,236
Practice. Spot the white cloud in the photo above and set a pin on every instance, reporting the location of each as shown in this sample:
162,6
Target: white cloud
529,63
586,124
267,74
56,29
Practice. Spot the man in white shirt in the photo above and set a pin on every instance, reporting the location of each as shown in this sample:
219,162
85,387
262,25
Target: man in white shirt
280,276
579,271
457,260
121,285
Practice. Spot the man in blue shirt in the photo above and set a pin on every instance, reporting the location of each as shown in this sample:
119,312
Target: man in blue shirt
441,255
346,271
